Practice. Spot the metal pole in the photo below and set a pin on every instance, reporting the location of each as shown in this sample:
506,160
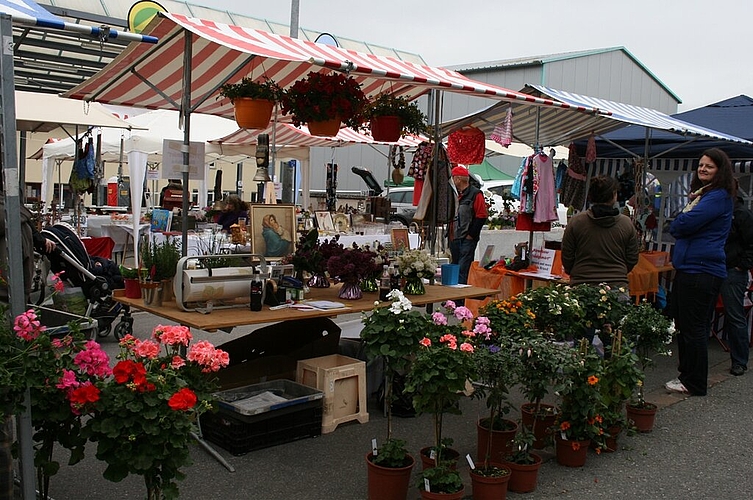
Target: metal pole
16,290
185,110
294,15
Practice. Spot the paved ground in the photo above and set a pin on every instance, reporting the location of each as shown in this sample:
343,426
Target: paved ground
700,448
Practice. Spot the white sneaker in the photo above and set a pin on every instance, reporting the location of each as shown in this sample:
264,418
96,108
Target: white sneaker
676,386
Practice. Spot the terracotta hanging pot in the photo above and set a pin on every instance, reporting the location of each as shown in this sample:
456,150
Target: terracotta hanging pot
388,483
490,487
386,128
524,476
253,113
501,445
327,128
642,417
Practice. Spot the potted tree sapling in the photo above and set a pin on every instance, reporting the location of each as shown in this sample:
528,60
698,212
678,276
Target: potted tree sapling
391,332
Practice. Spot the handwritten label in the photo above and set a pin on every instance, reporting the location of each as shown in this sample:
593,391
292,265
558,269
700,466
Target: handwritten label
543,259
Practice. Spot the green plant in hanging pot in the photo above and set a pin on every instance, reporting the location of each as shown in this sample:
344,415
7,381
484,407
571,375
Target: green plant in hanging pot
391,117
253,101
321,98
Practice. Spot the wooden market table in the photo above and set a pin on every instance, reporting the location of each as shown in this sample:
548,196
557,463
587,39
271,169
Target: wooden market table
228,318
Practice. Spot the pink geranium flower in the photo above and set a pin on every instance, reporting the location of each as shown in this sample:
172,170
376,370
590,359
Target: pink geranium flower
462,313
439,319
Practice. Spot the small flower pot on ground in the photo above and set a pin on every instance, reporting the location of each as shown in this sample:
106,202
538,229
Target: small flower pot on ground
642,417
388,483
490,483
524,476
571,453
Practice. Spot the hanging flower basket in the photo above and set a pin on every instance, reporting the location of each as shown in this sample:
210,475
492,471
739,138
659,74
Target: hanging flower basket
326,128
320,97
386,128
253,113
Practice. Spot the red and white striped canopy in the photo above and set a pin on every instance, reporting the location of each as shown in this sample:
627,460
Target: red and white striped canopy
287,134
150,76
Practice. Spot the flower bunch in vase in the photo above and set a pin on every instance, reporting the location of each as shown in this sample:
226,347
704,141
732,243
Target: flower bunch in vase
311,256
350,267
381,258
143,416
414,265
320,97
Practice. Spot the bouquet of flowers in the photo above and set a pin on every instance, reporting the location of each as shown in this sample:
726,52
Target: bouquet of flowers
352,265
416,264
143,416
311,256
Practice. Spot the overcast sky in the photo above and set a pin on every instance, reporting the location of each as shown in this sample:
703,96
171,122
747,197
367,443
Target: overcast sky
701,50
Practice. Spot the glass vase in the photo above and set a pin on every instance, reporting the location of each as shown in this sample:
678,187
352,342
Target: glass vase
370,284
414,285
350,290
318,280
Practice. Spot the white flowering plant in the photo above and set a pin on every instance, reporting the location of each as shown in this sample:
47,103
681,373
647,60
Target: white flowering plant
559,314
416,264
392,331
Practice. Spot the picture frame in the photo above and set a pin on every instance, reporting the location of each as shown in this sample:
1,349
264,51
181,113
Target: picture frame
400,239
273,230
324,221
341,223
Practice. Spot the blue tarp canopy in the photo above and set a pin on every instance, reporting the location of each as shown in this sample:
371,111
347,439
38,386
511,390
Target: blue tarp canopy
733,116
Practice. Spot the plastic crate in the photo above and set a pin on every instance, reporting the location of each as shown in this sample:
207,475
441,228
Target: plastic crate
56,322
282,411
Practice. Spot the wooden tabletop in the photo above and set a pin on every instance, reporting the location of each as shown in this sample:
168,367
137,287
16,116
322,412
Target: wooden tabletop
228,318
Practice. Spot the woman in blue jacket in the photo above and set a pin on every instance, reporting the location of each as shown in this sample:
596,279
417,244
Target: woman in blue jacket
701,231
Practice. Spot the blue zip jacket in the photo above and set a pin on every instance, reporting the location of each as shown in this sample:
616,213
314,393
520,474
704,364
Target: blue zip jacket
701,234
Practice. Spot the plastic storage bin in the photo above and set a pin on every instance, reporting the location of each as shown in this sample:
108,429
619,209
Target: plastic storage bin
262,415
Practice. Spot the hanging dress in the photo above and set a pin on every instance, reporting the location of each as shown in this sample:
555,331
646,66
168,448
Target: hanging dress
545,206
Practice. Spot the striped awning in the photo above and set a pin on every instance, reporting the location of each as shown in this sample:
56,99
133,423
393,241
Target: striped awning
152,76
286,134
30,13
545,126
636,115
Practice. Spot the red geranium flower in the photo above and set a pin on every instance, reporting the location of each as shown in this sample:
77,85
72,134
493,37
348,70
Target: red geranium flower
183,400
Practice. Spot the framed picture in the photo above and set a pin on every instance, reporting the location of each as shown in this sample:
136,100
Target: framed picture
273,230
324,221
341,222
400,240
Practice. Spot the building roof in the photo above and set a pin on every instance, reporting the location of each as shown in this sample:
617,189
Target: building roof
540,60
54,62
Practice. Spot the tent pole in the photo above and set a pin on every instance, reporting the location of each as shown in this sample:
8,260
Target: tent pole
16,293
185,111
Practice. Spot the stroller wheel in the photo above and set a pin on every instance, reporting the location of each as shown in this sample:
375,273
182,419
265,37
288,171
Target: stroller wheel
122,330
104,331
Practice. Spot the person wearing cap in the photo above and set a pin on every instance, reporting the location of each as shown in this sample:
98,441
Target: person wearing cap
470,217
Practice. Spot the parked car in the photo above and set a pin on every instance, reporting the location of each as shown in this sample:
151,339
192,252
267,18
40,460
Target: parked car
401,199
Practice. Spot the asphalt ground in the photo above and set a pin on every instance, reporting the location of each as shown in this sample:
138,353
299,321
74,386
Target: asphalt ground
700,448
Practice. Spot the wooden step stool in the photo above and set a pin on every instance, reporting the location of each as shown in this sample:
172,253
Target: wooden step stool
343,382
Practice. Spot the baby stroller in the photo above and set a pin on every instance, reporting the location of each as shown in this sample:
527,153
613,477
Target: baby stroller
96,276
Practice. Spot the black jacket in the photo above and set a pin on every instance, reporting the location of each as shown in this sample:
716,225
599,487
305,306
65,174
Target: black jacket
739,246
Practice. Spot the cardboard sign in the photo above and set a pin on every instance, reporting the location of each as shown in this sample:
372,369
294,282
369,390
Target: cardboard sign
543,259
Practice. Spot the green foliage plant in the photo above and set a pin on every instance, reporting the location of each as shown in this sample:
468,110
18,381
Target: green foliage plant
266,90
412,119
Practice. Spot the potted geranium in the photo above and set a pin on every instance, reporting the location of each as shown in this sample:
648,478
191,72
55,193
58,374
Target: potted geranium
438,376
323,101
651,333
391,117
414,265
143,417
253,101
392,334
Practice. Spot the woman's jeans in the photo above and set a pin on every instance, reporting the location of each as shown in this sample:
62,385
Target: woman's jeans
693,299
735,324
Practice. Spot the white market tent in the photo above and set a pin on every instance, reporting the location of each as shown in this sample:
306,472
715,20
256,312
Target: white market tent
290,139
144,144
